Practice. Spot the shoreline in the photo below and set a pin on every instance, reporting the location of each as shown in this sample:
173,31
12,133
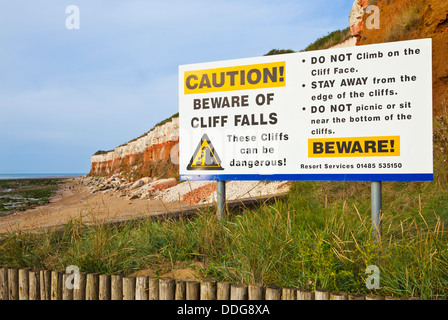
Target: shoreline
58,175
26,193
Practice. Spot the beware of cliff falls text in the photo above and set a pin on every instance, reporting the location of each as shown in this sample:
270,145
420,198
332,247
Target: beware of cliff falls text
245,77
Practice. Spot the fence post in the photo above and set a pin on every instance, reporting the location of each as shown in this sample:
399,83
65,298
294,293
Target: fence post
289,294
374,297
338,295
56,285
305,294
321,295
273,293
24,280
153,289
45,284
356,296
141,288
393,298
167,288
255,292
208,289
104,287
67,293
13,284
181,289
4,284
238,292
192,290
223,290
116,287
34,285
92,286
128,288
79,287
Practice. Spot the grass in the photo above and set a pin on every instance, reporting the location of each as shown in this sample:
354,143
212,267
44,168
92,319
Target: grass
279,51
405,22
329,40
317,237
299,241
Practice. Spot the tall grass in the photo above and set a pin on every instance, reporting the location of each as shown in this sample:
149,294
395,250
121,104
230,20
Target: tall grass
318,237
406,21
330,40
294,242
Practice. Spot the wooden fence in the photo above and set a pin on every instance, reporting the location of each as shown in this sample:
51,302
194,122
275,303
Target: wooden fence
24,284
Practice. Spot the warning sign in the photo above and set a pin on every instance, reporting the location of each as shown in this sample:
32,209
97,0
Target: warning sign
359,113
256,76
205,157
354,147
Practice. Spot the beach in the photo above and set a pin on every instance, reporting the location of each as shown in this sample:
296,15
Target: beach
90,200
75,201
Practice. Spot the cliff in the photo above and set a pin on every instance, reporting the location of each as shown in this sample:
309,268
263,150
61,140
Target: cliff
406,20
146,156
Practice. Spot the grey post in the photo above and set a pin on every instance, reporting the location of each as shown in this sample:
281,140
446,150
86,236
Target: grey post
376,210
221,198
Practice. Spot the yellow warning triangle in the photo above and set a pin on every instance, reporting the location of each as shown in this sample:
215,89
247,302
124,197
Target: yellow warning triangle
205,157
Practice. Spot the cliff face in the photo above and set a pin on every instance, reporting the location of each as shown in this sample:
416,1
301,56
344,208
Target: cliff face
355,18
406,20
148,155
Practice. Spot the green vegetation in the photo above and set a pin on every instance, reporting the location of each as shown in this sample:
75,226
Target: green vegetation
279,51
405,22
22,194
176,115
329,40
317,237
100,152
324,42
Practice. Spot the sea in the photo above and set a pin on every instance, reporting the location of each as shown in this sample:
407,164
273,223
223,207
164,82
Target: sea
8,176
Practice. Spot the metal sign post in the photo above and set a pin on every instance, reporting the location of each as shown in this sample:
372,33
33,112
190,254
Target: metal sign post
376,210
221,199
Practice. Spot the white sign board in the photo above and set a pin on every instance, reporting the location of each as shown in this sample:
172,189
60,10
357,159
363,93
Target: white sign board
361,113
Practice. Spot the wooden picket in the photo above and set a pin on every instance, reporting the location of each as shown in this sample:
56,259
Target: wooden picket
25,284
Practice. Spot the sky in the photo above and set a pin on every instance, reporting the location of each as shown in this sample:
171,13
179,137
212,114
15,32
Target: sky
67,92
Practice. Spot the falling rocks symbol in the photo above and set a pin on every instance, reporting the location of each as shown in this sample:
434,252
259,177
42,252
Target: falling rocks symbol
205,156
